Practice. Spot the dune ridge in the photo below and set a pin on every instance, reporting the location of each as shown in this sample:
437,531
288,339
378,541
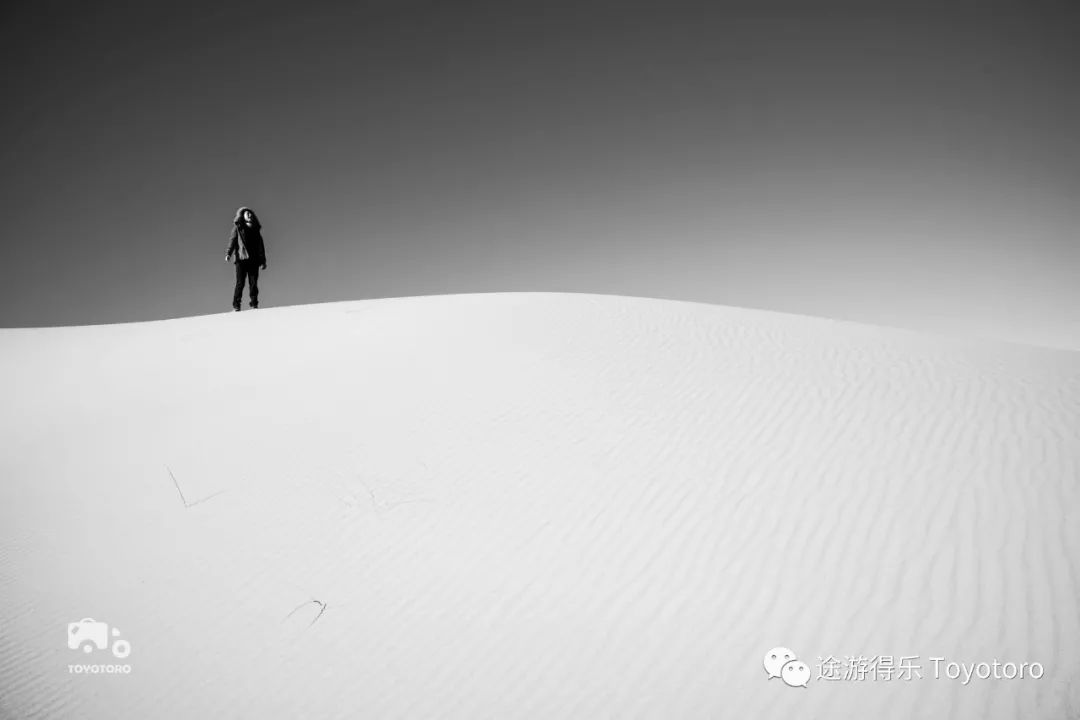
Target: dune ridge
534,505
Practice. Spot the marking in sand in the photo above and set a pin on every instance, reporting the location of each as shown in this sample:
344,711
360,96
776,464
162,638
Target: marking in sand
320,603
184,499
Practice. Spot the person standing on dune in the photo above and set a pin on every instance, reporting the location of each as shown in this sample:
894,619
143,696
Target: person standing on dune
247,251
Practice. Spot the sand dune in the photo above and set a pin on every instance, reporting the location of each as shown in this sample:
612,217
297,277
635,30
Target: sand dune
533,505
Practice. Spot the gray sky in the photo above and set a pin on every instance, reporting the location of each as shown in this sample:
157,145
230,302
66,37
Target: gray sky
894,164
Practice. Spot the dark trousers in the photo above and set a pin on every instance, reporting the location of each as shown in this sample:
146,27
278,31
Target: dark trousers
246,269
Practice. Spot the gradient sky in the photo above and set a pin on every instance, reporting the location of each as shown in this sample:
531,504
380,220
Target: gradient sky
897,164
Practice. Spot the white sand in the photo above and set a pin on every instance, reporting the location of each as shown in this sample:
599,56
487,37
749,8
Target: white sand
532,505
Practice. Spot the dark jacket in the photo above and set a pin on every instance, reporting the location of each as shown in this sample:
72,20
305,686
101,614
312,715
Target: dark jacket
252,240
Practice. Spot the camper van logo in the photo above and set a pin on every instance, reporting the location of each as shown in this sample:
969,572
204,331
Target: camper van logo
88,635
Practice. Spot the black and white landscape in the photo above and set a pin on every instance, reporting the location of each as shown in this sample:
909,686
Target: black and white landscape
604,348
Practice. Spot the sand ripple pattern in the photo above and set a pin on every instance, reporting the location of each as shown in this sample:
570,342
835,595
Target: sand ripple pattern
534,505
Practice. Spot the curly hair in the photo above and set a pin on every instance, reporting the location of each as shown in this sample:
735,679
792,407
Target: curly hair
239,216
